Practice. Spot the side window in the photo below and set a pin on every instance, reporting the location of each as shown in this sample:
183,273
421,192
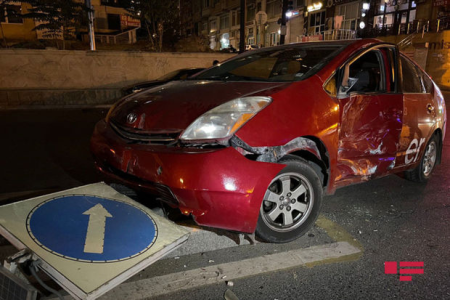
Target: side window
427,83
368,71
391,68
411,78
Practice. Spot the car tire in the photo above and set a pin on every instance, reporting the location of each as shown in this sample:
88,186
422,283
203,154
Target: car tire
427,163
291,203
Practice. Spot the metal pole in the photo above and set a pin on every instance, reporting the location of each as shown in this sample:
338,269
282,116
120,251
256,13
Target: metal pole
242,28
91,25
283,22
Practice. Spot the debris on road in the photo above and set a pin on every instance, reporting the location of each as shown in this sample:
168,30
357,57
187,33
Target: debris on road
229,295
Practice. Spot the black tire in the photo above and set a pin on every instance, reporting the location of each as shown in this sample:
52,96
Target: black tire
281,205
427,164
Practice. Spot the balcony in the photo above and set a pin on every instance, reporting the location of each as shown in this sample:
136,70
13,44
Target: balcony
417,26
339,34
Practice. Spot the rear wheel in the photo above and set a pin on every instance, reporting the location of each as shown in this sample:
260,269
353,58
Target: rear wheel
291,203
423,171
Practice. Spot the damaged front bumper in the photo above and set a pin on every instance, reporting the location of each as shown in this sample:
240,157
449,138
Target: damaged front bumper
219,187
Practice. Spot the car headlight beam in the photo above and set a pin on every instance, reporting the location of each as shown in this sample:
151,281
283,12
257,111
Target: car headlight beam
224,120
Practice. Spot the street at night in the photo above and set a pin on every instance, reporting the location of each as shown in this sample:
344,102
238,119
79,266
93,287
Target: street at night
224,149
388,220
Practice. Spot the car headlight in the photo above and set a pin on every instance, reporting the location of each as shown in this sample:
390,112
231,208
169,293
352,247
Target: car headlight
224,120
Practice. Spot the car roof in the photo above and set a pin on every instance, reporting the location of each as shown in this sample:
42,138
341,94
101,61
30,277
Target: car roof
358,42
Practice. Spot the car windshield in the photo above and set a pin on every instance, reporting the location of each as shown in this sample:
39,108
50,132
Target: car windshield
274,65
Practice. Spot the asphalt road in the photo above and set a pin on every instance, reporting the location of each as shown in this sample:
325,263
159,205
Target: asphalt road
390,219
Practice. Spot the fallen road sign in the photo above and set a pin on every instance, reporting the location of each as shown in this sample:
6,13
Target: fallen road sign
89,239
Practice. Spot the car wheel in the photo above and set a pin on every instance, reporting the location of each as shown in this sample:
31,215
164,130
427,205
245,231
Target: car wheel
423,171
291,203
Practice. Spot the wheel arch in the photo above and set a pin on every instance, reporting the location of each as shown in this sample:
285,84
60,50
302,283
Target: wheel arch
438,133
321,164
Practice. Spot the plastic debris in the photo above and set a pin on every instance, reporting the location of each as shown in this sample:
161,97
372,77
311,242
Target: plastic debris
210,261
229,295
230,283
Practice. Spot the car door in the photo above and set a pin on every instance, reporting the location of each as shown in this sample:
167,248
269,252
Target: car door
419,115
370,115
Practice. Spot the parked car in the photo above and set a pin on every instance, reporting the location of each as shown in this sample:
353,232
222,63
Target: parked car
251,47
252,145
180,74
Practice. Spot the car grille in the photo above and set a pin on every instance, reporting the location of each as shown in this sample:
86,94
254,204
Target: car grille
161,191
153,138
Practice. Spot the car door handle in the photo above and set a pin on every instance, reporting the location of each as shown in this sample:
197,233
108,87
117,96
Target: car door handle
430,108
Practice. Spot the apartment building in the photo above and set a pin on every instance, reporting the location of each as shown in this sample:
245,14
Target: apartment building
220,21
310,20
110,18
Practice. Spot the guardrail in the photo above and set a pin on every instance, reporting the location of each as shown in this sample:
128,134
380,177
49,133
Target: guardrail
417,26
126,37
339,34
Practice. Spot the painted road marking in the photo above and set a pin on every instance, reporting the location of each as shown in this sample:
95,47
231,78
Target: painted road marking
95,234
170,283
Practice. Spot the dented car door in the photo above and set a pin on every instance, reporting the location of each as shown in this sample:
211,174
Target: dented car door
419,113
370,116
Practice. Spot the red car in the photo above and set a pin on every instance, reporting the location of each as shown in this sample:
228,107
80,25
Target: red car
252,144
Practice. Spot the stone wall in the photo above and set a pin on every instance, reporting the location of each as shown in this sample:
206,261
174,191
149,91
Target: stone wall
52,77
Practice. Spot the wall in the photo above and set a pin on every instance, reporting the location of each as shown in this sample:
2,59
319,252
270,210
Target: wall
52,77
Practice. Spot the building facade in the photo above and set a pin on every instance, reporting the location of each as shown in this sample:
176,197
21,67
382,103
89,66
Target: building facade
310,20
109,18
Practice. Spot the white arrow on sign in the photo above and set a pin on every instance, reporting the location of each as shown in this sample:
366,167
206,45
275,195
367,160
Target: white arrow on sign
95,235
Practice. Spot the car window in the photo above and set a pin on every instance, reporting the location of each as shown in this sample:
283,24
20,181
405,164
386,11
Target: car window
284,64
411,78
391,69
368,70
427,83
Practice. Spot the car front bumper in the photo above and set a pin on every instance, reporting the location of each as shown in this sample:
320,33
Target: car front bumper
219,187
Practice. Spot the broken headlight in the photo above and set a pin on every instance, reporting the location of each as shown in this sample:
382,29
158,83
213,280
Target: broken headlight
224,120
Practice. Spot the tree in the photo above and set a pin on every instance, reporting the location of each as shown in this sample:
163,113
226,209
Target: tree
2,11
157,16
58,19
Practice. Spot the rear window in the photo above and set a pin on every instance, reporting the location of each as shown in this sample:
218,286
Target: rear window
275,65
411,80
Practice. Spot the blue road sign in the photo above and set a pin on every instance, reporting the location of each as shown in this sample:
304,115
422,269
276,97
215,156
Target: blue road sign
92,229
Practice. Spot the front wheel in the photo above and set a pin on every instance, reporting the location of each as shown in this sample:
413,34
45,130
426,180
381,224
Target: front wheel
291,203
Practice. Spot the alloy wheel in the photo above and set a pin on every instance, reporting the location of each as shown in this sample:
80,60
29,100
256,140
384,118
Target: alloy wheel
288,202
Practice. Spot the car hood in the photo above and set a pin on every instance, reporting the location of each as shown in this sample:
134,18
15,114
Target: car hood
172,107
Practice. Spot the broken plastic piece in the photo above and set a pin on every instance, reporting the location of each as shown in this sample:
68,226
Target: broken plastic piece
273,154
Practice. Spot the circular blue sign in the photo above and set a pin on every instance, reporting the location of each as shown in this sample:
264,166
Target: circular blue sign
92,229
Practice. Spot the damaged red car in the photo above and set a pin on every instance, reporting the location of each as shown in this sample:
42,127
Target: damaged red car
252,144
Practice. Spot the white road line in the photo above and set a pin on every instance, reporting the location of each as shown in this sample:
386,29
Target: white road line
228,271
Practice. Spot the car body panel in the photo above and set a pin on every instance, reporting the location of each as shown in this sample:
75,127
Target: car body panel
369,132
354,138
175,105
220,188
